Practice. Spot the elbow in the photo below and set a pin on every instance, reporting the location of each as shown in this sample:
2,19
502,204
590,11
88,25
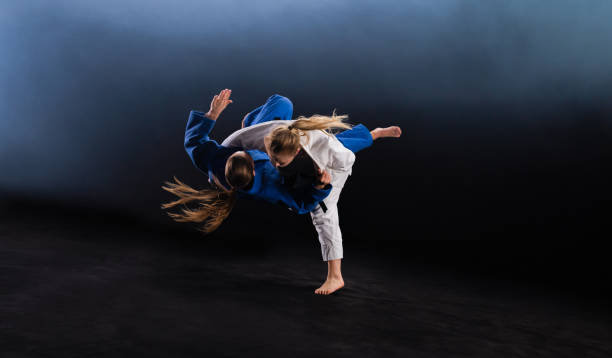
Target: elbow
190,143
188,148
191,151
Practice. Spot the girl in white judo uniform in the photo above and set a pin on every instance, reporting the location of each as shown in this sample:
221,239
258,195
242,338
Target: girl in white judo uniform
290,141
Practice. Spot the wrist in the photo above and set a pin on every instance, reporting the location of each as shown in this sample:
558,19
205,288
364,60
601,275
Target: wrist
322,186
211,115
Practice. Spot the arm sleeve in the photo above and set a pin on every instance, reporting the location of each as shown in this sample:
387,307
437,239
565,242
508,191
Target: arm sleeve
200,148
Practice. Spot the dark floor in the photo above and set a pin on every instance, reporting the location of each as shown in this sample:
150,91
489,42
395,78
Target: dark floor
74,287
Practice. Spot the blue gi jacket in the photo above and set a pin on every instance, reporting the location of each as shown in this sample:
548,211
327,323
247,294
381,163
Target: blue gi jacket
210,157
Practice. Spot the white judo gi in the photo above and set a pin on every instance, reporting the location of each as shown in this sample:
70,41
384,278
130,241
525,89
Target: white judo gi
328,154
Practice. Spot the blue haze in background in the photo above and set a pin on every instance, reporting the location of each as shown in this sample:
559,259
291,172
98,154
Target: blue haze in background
497,99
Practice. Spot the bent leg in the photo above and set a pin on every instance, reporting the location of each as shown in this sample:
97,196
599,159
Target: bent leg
250,117
276,106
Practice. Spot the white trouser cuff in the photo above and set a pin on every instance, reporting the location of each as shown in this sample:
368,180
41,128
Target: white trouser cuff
331,252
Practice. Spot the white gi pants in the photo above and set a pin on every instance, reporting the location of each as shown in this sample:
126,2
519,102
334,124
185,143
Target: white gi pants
327,223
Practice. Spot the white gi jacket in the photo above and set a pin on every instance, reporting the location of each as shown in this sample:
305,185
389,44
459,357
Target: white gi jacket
329,154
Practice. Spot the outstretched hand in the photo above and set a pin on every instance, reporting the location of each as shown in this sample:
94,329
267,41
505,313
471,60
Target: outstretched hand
218,104
324,178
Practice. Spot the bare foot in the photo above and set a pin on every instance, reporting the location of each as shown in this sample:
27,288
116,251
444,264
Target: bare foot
393,131
332,284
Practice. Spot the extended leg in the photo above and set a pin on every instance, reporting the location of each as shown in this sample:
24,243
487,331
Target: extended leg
387,132
359,137
356,138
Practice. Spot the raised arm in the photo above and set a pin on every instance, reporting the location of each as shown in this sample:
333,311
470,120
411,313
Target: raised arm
200,148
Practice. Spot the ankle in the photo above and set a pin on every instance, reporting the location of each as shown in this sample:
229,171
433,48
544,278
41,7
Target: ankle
374,134
334,276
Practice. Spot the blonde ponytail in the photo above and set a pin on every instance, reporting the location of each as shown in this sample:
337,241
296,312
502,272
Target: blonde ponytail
320,122
287,138
214,205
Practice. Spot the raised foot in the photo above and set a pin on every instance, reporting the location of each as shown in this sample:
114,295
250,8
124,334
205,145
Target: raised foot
329,286
393,131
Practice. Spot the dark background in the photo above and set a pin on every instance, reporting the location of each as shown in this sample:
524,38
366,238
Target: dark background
505,106
482,231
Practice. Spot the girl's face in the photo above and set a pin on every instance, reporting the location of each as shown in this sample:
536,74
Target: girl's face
282,159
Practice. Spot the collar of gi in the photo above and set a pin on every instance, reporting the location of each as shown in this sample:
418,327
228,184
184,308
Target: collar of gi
257,155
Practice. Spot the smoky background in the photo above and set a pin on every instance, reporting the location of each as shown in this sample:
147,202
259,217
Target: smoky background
504,106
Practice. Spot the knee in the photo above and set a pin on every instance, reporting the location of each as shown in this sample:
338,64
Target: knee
282,100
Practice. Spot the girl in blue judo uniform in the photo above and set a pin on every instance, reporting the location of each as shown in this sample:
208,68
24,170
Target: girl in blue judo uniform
241,166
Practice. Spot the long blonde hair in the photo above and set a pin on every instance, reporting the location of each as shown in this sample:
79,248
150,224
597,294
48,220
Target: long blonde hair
215,204
286,139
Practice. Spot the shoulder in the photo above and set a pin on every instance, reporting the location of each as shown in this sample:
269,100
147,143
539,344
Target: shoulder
254,131
269,125
317,139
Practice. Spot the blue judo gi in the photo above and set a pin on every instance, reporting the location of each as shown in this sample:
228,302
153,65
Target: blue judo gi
210,157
